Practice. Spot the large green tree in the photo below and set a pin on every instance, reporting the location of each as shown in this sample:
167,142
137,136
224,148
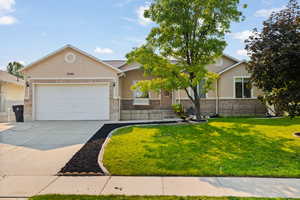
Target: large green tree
189,36
275,58
13,68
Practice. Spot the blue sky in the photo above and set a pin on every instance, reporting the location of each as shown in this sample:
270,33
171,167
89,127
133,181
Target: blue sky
107,29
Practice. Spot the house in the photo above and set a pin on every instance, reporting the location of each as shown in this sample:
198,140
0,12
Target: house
12,91
70,84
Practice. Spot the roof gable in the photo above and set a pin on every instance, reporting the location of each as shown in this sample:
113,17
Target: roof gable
230,62
33,64
231,67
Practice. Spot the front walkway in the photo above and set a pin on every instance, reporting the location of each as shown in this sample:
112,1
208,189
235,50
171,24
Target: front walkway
26,186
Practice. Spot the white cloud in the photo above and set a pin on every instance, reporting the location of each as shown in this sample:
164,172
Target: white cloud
241,35
242,52
128,19
267,2
124,3
137,41
140,13
266,12
7,6
103,50
7,20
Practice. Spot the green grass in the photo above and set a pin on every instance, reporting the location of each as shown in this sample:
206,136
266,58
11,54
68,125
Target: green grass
85,197
222,147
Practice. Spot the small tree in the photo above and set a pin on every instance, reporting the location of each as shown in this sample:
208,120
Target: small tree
14,67
275,58
189,36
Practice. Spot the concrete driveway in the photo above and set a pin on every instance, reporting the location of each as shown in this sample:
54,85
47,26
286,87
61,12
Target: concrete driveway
41,148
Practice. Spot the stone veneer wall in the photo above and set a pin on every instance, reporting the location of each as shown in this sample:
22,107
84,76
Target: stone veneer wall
227,107
147,114
114,103
230,107
128,105
154,111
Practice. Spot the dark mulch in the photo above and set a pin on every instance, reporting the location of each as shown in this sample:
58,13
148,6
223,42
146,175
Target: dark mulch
85,161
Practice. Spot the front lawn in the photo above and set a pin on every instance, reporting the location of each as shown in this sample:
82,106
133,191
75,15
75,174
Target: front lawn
222,147
86,197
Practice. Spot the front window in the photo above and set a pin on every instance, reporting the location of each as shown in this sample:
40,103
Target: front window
242,87
137,93
140,98
201,89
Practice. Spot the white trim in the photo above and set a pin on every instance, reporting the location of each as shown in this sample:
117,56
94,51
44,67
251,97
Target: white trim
222,98
234,89
217,96
27,91
76,49
229,68
33,102
34,94
86,83
173,96
219,62
130,69
70,78
232,58
141,102
138,98
225,55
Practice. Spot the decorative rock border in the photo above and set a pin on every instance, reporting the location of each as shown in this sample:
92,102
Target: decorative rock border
86,161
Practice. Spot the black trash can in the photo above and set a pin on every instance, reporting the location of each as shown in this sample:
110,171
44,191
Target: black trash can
19,112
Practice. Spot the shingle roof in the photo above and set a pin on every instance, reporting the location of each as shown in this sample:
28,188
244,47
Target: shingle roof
115,63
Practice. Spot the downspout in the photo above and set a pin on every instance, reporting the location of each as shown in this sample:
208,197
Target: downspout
217,98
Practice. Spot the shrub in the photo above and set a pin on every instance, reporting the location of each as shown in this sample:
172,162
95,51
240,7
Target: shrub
179,111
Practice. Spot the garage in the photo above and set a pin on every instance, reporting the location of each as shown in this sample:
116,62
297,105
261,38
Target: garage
71,102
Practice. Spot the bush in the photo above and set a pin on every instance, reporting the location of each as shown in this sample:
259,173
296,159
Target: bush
179,111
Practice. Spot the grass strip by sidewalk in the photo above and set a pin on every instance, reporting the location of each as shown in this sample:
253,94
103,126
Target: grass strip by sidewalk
87,197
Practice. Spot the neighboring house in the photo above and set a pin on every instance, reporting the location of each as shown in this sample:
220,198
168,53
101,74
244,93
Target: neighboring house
12,91
70,84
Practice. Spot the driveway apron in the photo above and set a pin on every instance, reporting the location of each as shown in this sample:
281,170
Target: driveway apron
42,148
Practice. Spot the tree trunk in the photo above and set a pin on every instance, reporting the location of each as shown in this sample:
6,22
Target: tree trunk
197,108
197,103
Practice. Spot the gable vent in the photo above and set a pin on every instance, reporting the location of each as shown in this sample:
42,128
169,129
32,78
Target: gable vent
70,57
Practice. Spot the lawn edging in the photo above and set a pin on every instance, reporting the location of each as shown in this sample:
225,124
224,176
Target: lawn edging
102,151
108,138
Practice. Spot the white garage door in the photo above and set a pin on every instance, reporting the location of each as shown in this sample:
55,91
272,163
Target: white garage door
72,102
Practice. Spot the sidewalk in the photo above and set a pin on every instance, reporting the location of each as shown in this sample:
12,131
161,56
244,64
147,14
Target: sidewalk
26,186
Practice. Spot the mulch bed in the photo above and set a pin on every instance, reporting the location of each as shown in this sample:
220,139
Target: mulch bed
85,161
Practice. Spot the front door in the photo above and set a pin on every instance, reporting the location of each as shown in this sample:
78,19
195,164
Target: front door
166,99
